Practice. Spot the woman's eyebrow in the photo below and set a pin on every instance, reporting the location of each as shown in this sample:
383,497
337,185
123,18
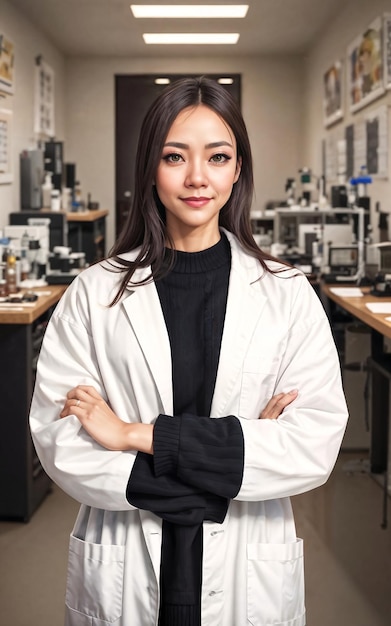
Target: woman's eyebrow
185,146
176,144
218,144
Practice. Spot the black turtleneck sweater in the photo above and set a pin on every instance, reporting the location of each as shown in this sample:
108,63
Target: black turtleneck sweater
197,464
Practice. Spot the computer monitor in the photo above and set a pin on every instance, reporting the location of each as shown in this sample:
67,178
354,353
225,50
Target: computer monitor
58,227
385,257
343,259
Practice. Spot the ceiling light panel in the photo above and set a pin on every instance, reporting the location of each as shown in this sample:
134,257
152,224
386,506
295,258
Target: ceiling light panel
225,81
191,38
189,11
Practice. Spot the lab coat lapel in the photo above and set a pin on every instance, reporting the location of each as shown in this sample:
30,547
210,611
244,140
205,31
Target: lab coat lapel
146,317
244,308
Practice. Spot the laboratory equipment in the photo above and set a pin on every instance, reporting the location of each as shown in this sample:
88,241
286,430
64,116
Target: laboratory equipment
308,233
382,280
47,187
335,235
31,177
58,224
38,249
307,186
290,187
54,162
64,265
39,233
70,176
339,196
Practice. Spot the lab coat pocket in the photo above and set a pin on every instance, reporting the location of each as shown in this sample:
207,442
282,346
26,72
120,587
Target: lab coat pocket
95,581
276,584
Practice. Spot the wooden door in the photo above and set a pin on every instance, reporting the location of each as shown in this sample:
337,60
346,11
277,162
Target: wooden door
133,96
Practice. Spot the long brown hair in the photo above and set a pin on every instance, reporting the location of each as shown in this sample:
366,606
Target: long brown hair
145,226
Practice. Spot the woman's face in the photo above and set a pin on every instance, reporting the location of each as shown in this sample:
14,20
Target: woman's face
194,178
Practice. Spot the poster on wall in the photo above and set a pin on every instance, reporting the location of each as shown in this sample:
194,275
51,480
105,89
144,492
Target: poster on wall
332,94
7,74
387,50
360,147
44,100
365,66
5,146
376,129
367,145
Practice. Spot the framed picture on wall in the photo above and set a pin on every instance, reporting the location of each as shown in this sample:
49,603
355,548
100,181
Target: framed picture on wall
387,50
44,100
332,94
7,77
365,66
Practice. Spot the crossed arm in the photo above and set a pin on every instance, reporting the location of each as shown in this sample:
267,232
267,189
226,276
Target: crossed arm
112,433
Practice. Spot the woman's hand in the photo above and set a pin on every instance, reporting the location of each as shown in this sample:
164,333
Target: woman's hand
103,425
277,404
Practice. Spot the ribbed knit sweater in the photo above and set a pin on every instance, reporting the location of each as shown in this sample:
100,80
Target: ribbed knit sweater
197,464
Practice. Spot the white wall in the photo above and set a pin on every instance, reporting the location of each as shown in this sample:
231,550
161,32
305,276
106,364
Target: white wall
272,91
353,19
28,43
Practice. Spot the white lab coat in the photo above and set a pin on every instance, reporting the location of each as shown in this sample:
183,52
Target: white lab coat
276,338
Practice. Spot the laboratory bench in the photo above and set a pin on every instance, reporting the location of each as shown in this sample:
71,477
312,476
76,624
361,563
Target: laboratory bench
24,484
378,366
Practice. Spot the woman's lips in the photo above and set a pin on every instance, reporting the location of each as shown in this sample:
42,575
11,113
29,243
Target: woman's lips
195,201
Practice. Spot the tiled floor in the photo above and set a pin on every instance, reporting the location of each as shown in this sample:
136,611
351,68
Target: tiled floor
347,555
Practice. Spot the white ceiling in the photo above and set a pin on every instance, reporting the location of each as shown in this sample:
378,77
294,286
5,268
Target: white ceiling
107,27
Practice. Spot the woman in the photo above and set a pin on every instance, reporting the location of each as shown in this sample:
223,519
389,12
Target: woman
186,520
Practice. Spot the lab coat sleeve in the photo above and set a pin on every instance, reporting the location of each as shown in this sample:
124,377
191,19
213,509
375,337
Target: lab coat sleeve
297,451
86,471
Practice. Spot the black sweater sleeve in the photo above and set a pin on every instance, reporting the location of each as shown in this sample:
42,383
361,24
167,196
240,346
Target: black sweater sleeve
208,453
169,498
196,468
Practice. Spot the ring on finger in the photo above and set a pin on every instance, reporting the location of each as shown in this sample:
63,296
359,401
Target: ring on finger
77,403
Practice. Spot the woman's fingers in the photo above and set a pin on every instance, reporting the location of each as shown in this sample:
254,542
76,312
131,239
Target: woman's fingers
83,391
277,404
80,397
97,418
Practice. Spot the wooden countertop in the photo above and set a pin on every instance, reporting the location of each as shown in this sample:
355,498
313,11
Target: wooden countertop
86,216
30,313
83,216
357,307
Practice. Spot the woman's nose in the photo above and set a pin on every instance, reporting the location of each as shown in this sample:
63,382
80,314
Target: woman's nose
196,175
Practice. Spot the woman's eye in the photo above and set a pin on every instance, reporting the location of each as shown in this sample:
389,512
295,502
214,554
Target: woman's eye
172,158
220,158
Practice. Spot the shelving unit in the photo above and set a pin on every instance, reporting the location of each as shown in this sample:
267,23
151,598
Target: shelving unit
87,233
287,220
